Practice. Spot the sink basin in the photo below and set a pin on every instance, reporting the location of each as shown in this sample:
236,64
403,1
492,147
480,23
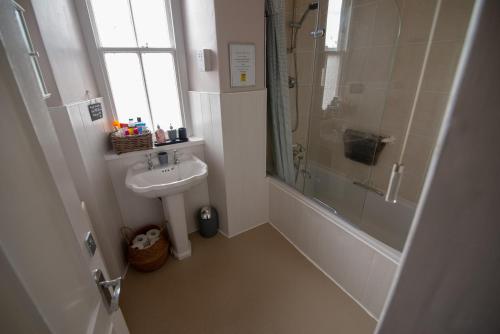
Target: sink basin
168,180
169,183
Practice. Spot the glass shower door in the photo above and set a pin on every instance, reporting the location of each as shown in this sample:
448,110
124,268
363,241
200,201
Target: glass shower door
352,71
369,82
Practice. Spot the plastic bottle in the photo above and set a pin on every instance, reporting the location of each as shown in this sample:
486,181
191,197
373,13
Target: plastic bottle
160,135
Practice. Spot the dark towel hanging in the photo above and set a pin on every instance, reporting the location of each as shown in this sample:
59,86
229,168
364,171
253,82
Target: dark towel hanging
362,147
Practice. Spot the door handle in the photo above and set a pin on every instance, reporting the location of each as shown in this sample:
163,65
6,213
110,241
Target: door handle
111,298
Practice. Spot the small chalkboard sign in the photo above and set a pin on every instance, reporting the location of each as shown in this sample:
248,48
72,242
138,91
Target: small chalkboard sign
95,110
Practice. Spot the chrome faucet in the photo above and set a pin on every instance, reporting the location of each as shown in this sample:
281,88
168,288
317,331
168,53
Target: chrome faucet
176,158
149,162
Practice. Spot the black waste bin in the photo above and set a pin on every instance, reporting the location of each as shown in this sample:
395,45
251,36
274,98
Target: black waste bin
208,221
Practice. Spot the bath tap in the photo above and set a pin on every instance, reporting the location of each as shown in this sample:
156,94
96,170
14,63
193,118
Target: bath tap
176,158
149,162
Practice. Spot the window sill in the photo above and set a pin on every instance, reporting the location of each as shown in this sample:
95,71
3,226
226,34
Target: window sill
193,141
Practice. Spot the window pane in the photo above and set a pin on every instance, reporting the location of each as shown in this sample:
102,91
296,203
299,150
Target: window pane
333,24
331,81
127,86
150,18
114,23
161,80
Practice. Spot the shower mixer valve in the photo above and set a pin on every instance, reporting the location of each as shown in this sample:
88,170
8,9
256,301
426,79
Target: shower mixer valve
318,33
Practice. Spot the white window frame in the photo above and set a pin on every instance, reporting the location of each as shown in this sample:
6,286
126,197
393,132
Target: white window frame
96,53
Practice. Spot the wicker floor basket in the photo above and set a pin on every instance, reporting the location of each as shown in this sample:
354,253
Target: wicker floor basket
147,259
131,143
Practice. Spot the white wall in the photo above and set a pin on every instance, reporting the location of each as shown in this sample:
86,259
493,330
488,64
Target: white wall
84,143
233,124
68,57
244,136
199,33
449,281
138,211
207,124
360,265
234,128
213,24
240,21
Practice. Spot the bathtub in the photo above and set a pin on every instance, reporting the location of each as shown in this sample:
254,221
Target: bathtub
367,210
361,265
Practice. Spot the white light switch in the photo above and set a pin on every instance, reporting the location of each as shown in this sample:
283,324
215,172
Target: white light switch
203,59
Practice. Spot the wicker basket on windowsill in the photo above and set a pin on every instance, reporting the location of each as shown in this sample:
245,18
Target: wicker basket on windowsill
131,143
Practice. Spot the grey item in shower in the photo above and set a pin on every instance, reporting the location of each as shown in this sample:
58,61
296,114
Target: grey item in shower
362,146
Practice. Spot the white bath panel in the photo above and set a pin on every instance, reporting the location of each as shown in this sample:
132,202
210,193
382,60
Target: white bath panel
363,268
379,282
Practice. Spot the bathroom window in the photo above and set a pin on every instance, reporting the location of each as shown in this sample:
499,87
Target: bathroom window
333,20
137,47
31,49
334,43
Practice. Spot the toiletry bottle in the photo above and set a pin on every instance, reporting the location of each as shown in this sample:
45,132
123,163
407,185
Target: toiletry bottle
160,135
141,127
131,126
131,123
172,133
182,133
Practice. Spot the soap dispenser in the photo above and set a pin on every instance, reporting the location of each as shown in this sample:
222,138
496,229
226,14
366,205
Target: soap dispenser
160,135
172,133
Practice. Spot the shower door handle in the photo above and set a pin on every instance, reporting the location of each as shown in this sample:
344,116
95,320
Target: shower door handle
318,33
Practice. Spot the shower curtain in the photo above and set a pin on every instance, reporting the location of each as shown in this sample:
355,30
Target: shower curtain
277,88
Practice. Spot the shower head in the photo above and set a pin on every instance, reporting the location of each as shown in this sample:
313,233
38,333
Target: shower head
312,6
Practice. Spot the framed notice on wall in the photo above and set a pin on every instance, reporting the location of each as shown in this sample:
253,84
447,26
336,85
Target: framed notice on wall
242,64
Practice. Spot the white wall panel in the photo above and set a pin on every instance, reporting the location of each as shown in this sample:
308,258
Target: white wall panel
244,136
234,128
84,144
206,114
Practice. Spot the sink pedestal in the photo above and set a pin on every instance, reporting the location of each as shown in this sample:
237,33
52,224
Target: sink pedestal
175,213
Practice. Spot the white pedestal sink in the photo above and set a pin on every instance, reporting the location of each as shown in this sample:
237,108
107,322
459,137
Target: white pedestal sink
169,183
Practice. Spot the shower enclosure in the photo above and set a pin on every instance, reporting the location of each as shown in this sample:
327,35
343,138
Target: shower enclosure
368,85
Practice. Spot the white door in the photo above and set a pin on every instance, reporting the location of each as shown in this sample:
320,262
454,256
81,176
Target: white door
42,222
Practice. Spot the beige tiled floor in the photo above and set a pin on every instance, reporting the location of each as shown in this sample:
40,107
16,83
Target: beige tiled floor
255,283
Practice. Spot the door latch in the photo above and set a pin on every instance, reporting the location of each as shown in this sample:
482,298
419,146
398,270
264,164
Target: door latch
110,290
